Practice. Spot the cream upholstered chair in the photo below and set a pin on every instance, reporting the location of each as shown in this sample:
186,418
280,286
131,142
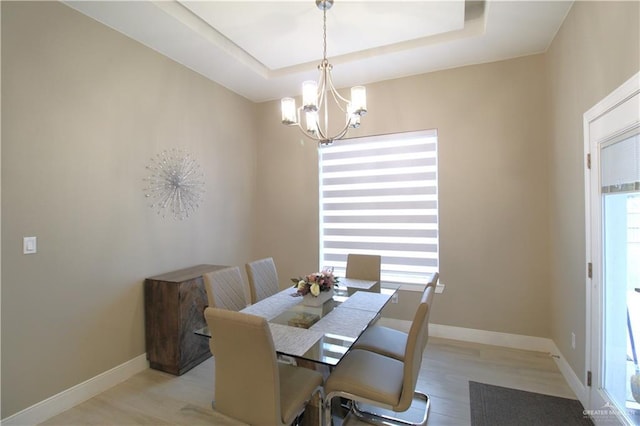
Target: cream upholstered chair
364,267
387,341
263,279
225,288
373,379
250,385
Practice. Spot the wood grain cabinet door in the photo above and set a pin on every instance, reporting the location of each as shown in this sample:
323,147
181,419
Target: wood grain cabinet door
174,309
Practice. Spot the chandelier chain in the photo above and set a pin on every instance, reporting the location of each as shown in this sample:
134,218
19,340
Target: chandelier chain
324,35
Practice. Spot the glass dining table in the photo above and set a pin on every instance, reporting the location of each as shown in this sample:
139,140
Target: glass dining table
320,334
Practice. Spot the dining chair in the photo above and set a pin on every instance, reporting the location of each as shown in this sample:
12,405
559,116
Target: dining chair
250,385
364,267
225,288
263,279
385,340
366,377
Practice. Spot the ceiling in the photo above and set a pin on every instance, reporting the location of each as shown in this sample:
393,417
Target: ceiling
264,49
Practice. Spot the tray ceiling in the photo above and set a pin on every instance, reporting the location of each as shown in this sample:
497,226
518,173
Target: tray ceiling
263,50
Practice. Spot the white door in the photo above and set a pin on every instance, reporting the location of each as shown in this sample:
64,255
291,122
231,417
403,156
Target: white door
612,146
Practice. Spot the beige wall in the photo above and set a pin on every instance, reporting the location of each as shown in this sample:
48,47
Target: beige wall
493,189
84,109
511,177
596,50
0,205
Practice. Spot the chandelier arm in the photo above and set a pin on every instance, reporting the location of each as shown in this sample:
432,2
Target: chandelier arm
325,75
335,93
326,116
322,88
322,132
342,132
308,134
323,101
337,98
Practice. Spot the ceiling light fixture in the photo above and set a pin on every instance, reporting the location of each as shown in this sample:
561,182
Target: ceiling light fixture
315,99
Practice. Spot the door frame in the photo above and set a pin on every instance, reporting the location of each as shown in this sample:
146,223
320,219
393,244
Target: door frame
622,101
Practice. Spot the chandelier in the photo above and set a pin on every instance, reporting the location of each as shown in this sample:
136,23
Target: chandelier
315,99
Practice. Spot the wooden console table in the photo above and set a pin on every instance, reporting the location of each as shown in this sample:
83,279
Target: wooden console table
174,306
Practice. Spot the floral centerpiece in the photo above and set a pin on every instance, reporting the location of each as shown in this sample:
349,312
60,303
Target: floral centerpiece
316,282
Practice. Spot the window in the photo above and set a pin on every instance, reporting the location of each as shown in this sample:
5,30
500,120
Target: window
379,195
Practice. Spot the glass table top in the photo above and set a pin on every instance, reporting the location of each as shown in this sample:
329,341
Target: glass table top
302,316
321,334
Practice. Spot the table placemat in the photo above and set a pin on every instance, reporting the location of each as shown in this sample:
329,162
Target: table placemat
271,307
366,301
344,322
291,340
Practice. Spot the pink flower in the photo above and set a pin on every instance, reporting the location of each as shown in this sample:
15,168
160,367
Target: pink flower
315,283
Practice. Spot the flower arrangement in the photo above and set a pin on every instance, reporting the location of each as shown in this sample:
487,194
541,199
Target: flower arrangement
316,282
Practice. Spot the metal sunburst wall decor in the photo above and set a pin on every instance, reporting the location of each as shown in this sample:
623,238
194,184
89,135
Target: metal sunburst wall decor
175,184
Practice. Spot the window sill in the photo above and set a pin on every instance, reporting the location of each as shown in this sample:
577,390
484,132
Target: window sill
390,287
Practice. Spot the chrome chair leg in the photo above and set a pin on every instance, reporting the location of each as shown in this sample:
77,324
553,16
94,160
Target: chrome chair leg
372,416
387,420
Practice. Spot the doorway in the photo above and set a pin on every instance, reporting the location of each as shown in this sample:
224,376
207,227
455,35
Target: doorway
612,194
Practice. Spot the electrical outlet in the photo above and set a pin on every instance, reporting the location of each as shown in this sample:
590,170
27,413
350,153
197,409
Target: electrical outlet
573,340
394,298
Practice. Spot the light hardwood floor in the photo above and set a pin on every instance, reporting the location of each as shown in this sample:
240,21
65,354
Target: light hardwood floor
156,398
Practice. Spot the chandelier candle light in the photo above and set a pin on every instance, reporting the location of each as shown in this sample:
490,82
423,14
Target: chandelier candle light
314,99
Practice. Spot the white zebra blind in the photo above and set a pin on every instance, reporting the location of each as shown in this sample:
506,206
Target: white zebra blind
620,165
379,195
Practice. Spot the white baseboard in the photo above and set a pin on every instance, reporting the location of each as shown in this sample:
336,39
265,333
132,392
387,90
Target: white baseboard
579,388
73,396
515,341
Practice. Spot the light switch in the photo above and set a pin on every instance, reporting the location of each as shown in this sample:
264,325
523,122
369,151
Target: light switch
29,245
